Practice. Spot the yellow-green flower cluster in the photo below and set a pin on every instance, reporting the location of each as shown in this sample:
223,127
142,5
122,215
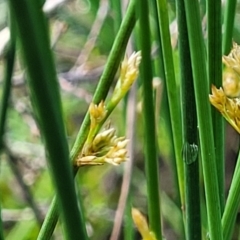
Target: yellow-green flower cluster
97,113
128,73
103,147
227,100
106,147
231,83
129,70
142,226
228,107
233,59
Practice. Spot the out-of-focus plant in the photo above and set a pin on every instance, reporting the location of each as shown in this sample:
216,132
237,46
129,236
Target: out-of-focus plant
194,132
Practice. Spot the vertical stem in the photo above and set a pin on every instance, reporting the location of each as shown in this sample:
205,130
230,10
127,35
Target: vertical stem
228,24
151,163
172,92
214,51
232,204
201,88
33,34
190,151
165,113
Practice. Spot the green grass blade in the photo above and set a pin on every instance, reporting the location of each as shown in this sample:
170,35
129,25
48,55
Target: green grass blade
172,92
232,204
50,221
159,71
190,138
215,77
228,24
201,88
151,162
101,92
33,33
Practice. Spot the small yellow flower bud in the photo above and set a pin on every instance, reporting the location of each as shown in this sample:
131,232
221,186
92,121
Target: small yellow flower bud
231,83
129,70
233,59
141,224
228,107
97,112
88,160
128,73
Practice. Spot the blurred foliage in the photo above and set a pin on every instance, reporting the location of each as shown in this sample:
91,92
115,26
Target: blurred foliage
100,185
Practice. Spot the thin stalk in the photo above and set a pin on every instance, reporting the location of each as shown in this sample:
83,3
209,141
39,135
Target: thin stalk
159,71
44,89
172,93
193,213
129,233
100,94
232,204
50,221
201,89
214,51
189,115
228,24
151,161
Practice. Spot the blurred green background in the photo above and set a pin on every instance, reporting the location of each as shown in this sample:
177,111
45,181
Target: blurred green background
82,33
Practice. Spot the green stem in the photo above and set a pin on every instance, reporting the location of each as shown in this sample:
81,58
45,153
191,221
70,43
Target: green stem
215,77
232,204
172,93
100,94
229,16
151,162
33,34
190,151
193,213
50,221
159,71
201,88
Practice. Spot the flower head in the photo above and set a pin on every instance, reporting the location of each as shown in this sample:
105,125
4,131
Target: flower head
128,73
231,83
106,147
129,69
228,107
142,226
97,112
233,59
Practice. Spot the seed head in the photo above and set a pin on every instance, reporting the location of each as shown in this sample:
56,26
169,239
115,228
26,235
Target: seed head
233,59
142,226
97,112
106,147
228,107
